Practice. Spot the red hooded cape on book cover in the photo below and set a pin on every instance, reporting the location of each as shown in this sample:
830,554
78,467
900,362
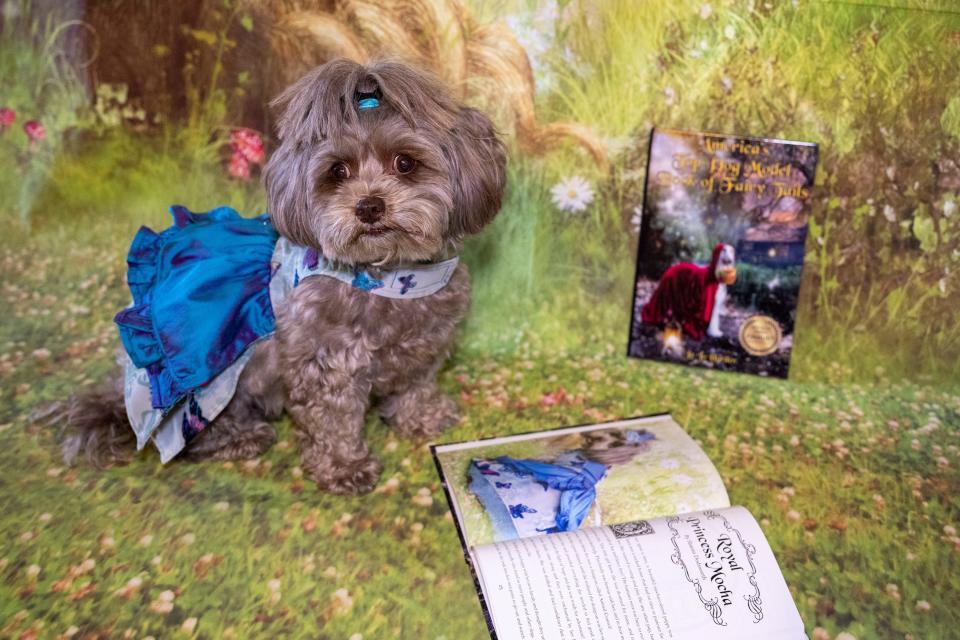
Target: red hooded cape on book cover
721,251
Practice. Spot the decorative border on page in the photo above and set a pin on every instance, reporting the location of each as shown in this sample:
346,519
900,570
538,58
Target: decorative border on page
712,605
754,603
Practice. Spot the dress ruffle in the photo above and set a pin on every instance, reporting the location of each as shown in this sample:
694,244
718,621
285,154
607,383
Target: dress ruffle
200,297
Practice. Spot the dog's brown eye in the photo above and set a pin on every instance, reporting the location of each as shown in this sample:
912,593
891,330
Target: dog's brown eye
404,164
340,171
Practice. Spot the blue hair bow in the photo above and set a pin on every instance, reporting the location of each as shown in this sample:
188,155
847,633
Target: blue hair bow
367,103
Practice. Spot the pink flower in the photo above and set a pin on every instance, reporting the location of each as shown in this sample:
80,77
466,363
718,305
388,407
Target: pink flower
247,143
7,118
34,131
239,167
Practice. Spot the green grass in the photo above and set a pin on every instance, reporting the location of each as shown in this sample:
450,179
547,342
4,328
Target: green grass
851,484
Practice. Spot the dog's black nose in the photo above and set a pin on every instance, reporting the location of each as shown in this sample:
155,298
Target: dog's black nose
370,210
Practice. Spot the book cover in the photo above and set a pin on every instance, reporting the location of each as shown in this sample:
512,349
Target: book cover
721,251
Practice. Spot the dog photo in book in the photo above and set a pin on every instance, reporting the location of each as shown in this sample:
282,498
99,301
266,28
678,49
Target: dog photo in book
721,251
560,481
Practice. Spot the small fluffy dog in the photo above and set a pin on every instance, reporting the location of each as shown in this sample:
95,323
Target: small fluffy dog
373,188
693,296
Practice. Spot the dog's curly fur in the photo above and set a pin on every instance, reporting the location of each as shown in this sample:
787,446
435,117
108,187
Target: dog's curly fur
338,350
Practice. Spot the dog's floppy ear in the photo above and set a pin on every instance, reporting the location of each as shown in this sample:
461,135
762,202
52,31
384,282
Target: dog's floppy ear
478,165
286,180
311,109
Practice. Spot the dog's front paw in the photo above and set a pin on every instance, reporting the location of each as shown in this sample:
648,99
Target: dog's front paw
423,417
344,477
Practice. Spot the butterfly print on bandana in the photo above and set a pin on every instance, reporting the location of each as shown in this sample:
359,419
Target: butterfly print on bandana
408,282
362,281
517,510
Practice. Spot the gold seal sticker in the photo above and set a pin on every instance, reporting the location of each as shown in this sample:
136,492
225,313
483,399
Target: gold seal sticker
760,335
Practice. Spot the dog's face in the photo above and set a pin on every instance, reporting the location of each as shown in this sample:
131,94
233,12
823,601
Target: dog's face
385,184
726,271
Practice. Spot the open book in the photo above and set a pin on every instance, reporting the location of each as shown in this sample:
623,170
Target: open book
610,531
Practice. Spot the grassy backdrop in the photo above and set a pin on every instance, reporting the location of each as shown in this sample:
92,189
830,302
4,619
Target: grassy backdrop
851,465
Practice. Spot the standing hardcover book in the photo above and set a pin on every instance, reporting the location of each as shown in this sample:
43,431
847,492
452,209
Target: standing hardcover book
614,531
721,251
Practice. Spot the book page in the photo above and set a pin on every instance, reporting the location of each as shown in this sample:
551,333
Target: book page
703,574
570,478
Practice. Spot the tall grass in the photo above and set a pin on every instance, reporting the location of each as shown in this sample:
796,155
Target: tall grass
872,86
41,79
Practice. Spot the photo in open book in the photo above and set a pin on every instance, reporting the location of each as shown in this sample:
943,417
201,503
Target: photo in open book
566,479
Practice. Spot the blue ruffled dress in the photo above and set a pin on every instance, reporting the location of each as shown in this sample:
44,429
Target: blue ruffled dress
529,497
204,291
201,296
525,497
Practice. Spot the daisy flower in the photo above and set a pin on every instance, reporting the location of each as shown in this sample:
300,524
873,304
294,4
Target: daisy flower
572,194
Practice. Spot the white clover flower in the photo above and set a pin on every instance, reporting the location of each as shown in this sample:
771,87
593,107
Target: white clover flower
730,32
949,206
669,93
572,194
889,213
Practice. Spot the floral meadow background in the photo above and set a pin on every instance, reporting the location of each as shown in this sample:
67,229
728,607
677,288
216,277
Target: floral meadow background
111,110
